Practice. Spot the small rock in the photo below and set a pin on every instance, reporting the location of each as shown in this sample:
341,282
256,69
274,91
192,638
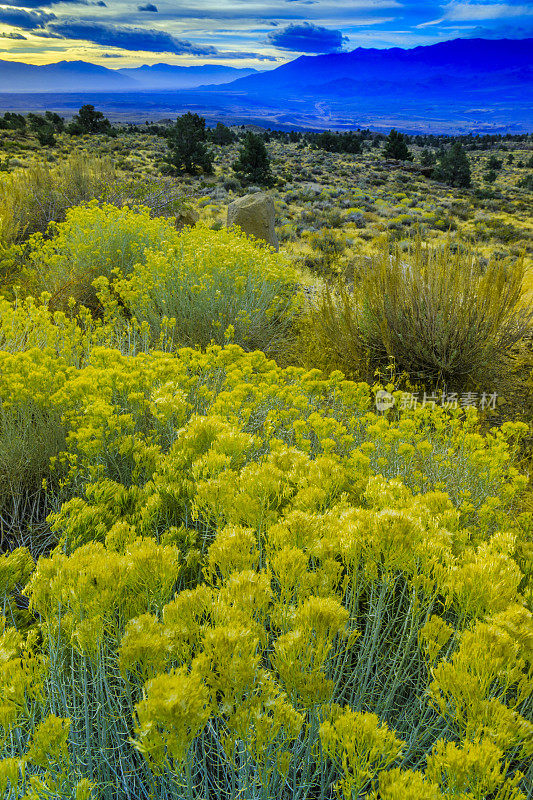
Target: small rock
186,216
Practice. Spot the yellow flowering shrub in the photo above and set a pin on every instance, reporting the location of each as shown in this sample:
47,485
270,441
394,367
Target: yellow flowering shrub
94,240
255,585
212,284
474,770
361,747
172,713
489,679
398,784
95,582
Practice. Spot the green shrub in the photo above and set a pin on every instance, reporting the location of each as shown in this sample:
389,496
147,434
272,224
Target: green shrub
329,246
440,315
31,432
29,438
32,198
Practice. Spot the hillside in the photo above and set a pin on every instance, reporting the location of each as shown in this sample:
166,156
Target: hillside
172,76
475,82
82,76
264,536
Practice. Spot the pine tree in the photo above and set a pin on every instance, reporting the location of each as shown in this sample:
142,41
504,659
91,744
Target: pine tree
453,167
253,163
45,135
55,120
396,147
187,148
43,129
427,158
494,163
87,120
12,122
222,135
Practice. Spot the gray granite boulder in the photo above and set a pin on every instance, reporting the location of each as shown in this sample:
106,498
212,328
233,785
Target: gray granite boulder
254,214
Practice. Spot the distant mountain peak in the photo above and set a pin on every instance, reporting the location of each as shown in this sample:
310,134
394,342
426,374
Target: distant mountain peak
79,75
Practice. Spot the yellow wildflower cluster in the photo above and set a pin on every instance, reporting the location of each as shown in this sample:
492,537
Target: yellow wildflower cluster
260,587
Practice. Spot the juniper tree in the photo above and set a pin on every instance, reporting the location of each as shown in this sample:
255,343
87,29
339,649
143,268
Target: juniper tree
43,129
222,135
427,158
187,149
453,167
396,147
90,121
253,163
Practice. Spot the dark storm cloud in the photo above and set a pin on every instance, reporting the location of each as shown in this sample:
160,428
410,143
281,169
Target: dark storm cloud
224,54
27,20
127,38
16,36
307,38
148,7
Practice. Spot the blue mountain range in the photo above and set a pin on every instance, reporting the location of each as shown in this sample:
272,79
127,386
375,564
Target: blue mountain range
456,86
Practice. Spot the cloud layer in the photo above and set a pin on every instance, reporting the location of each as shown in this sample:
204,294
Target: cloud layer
26,20
243,30
127,38
307,38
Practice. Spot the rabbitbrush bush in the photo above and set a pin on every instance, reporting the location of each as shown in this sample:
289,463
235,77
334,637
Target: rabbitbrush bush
208,281
191,288
93,241
438,313
31,198
261,587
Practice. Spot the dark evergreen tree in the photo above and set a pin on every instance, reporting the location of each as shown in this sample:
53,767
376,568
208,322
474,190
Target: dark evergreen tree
35,121
55,120
90,121
427,158
222,135
396,147
348,142
44,128
527,182
453,167
13,122
187,149
253,163
494,163
45,135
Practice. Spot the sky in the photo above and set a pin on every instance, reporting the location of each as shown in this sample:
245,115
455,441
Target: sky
243,33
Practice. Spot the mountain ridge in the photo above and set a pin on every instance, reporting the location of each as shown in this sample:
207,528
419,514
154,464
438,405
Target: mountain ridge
458,55
65,76
161,76
458,86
